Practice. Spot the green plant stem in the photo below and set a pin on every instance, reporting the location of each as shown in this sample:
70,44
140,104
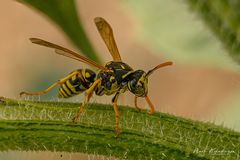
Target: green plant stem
41,126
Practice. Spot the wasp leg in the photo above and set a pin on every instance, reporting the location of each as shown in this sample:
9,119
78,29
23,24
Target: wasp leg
74,119
136,105
87,97
114,101
150,112
52,86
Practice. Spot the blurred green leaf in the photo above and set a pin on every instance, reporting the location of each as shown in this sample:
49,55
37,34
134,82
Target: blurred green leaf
222,16
64,14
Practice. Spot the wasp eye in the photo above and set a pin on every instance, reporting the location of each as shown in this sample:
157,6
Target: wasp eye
138,87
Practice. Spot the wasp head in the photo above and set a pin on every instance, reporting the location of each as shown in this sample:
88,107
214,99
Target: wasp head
138,80
138,83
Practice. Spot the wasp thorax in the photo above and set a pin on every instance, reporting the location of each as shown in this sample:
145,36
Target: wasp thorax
137,83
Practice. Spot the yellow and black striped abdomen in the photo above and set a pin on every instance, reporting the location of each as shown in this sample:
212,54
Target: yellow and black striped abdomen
77,83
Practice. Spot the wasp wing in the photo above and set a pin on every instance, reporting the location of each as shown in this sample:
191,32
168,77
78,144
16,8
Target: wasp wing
66,52
106,33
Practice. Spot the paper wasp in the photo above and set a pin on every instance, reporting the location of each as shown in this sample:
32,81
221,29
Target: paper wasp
115,77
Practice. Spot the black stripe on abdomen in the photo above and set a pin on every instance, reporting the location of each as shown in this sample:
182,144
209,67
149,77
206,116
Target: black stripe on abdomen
72,87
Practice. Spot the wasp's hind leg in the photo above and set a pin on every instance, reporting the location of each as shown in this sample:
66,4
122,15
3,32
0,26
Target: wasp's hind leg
114,101
87,97
136,105
151,110
52,86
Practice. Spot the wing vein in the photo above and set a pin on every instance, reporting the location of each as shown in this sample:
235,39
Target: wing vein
106,33
66,52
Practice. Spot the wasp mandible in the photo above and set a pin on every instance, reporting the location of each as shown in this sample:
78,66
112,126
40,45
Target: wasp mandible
115,77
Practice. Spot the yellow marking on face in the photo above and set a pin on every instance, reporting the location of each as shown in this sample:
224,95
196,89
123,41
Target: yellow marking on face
63,93
142,79
66,89
139,84
71,87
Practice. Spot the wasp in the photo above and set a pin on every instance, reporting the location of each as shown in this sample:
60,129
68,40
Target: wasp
115,78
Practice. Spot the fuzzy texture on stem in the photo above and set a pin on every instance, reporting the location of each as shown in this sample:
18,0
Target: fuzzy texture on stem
46,126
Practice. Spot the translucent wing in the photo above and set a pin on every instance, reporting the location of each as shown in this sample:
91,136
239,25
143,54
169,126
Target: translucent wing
106,33
66,52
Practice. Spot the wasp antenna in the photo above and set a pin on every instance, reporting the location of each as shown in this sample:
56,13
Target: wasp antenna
98,19
35,40
168,63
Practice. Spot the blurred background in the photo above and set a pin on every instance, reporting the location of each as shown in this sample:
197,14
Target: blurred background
203,84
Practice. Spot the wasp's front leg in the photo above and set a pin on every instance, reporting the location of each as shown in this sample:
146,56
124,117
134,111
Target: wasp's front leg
114,101
151,110
136,105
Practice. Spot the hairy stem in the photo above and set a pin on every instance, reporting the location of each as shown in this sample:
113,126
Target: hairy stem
40,126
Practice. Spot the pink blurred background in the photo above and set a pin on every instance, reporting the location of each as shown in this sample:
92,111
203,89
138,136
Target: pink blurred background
183,89
192,90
